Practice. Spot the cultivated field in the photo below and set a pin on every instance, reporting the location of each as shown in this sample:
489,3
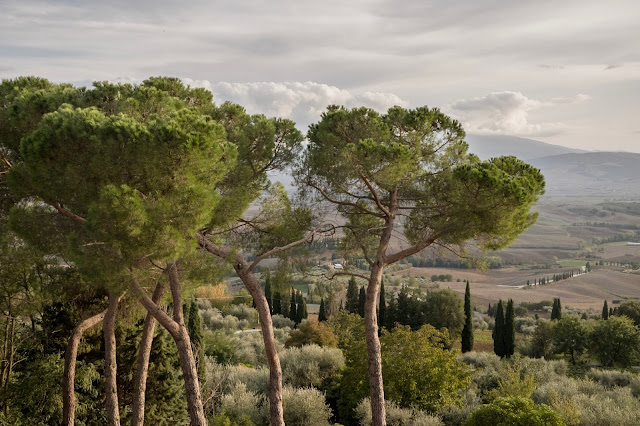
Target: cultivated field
586,291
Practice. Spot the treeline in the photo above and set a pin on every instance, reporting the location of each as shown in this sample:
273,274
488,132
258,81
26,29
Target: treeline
492,262
608,225
628,208
411,307
574,336
631,236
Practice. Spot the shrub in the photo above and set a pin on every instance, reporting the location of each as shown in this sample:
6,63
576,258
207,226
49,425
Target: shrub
241,404
512,411
452,415
244,312
304,407
281,322
309,365
397,416
480,359
611,378
312,332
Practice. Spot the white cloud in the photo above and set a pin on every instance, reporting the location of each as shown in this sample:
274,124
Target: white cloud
508,113
302,102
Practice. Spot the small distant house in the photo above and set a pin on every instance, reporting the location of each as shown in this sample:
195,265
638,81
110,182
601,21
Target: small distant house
337,266
633,244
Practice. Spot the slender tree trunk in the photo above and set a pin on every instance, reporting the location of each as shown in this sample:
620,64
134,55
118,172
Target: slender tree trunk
12,351
178,331
144,353
110,361
252,284
68,379
276,412
5,356
374,355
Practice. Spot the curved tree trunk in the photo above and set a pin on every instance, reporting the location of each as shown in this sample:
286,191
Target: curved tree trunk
250,281
178,331
110,361
68,379
244,271
142,369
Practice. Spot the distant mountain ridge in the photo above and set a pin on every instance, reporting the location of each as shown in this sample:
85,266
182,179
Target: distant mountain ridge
567,171
488,146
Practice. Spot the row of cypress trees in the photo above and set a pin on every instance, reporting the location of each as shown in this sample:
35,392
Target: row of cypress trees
296,310
504,331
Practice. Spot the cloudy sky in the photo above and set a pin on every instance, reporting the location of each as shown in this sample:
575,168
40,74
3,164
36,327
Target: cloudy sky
565,72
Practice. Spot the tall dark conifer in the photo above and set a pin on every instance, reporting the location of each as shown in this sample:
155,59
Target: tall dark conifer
293,311
498,331
467,331
362,296
605,311
352,296
194,328
322,313
509,330
277,303
382,306
556,310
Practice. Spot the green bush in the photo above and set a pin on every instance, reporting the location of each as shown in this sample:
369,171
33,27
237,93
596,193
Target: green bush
304,407
611,378
397,416
514,411
309,365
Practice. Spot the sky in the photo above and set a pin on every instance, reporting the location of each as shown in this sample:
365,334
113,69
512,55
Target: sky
564,72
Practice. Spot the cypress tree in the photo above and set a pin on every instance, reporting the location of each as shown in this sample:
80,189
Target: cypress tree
605,311
509,330
277,303
467,331
284,305
267,291
194,328
498,331
556,310
352,296
362,296
490,311
301,309
293,311
391,313
322,313
382,308
166,403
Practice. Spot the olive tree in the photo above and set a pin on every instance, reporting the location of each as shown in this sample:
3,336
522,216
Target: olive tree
406,177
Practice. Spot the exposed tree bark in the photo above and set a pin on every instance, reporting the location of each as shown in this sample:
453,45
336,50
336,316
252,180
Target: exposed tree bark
110,363
252,284
244,271
5,355
374,356
176,327
12,351
144,353
68,379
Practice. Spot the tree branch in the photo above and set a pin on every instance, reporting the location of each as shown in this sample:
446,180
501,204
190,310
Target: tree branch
344,203
409,251
155,310
275,250
374,194
68,213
